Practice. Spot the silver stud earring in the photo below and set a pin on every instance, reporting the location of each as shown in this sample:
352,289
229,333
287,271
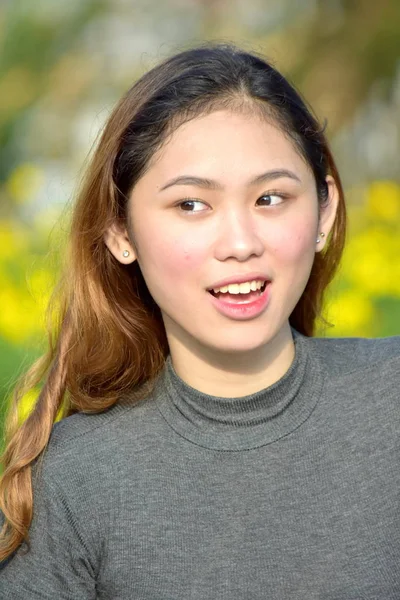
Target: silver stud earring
125,253
322,235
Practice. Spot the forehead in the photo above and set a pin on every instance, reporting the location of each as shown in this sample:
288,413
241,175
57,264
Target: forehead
227,140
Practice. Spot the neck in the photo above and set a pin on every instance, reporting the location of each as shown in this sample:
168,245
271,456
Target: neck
229,375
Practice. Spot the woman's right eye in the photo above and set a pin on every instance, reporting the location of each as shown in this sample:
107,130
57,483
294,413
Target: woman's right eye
189,202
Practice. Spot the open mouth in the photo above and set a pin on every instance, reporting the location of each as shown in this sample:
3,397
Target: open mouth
239,297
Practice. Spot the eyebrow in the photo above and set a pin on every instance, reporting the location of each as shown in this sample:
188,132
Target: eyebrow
211,184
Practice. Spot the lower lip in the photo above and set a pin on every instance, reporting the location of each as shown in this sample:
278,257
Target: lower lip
242,311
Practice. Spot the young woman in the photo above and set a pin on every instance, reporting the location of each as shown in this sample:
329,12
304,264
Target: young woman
211,446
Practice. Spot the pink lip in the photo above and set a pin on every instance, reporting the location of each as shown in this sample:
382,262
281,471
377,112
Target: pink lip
241,312
240,279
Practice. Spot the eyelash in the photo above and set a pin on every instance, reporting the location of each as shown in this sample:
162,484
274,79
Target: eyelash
272,193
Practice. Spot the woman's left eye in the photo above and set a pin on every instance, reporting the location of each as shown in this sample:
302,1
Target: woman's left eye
272,199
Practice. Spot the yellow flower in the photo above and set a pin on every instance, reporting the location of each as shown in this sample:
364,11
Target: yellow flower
370,262
27,404
13,240
19,317
383,200
351,313
24,182
23,308
41,284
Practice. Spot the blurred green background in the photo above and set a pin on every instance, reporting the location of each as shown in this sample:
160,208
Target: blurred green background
64,64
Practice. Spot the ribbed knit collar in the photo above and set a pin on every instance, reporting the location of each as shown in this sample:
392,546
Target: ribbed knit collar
244,422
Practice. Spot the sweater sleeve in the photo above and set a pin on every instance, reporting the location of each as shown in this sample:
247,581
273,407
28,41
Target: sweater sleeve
60,562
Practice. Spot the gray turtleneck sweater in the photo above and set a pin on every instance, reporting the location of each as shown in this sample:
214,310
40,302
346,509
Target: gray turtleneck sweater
291,492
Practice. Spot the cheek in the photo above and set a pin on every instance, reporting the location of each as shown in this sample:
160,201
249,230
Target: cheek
295,243
173,259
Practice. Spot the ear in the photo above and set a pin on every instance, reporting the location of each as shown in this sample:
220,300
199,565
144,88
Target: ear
117,241
327,213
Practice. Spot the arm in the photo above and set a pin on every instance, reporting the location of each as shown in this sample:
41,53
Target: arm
61,560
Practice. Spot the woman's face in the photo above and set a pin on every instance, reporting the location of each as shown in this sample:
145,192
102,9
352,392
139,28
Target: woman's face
249,205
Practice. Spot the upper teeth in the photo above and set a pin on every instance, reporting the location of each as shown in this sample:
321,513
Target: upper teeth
240,288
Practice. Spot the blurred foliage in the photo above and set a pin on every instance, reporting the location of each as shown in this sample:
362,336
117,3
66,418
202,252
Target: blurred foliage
33,41
62,65
364,299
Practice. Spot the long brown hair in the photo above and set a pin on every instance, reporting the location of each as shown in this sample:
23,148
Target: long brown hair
109,336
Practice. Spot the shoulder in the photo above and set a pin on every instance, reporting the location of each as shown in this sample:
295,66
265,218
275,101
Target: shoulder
346,355
362,379
89,443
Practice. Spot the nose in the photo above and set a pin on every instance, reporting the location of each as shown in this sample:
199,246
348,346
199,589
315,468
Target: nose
238,236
